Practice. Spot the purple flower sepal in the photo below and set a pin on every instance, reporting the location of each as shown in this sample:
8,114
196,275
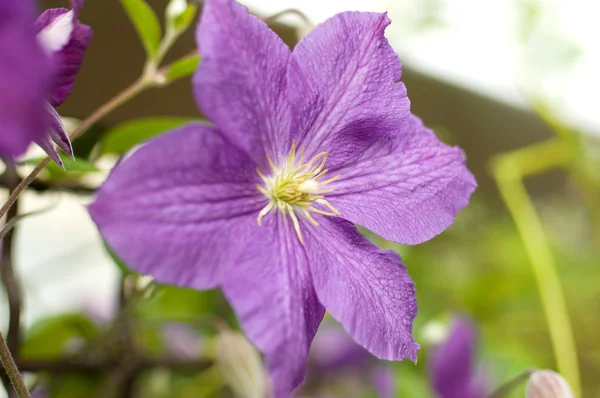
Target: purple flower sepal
453,370
25,76
65,40
306,145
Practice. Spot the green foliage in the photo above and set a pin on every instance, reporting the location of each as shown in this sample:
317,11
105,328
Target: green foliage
204,385
55,336
125,136
75,385
182,68
146,24
74,168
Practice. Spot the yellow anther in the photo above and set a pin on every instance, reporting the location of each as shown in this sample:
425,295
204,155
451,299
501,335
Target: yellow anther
294,187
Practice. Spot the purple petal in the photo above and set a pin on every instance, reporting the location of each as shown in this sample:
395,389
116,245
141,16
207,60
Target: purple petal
342,86
407,187
240,84
25,76
70,57
57,131
273,295
365,288
384,381
181,207
452,365
47,145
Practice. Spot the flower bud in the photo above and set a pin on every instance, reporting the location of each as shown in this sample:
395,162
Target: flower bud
241,365
175,8
548,384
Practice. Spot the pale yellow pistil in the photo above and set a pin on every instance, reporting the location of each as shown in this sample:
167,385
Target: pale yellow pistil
294,187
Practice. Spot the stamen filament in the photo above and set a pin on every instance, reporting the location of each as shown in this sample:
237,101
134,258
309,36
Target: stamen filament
295,187
310,218
296,224
265,211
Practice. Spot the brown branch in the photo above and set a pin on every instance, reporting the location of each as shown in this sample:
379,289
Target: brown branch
9,279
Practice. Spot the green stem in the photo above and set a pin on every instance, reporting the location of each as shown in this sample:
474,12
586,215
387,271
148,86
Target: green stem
11,370
509,170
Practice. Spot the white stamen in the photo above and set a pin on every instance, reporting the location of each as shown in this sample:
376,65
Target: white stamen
293,186
55,36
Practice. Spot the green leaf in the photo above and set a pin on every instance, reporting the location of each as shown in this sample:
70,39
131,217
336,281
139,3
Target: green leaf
51,337
125,136
75,386
204,385
183,67
146,23
73,167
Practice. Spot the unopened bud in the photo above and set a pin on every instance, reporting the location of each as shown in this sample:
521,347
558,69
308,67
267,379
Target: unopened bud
175,8
548,384
241,365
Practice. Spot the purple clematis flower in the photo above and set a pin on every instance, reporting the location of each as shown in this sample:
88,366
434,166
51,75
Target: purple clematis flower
452,368
306,145
25,73
65,40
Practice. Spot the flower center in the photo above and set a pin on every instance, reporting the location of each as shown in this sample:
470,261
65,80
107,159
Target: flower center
295,187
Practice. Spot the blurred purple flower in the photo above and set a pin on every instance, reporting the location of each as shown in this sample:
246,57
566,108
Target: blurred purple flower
37,71
384,381
25,75
182,341
65,40
188,207
333,350
336,359
452,364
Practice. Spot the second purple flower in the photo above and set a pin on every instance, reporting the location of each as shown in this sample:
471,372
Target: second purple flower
306,145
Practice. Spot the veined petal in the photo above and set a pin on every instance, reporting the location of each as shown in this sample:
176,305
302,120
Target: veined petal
240,84
53,26
47,145
343,87
25,77
271,290
58,134
368,290
453,373
408,187
181,207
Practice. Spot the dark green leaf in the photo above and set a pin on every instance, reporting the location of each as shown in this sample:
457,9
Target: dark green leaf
52,337
75,386
146,23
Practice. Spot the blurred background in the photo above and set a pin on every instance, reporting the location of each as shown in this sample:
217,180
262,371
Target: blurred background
513,82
